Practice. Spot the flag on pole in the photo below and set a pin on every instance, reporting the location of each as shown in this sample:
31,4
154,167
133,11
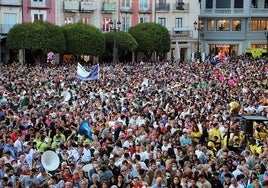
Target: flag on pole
83,74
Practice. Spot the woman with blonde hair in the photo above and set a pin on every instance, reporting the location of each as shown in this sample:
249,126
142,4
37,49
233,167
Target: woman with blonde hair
157,174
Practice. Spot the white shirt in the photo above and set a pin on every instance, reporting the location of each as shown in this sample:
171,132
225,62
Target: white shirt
18,145
87,155
165,148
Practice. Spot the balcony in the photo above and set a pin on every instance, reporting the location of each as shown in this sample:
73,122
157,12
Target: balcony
180,33
126,8
39,4
181,7
145,10
4,28
71,5
74,6
87,6
162,7
109,7
259,11
14,3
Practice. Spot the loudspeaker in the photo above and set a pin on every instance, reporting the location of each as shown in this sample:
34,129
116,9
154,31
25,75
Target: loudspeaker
50,160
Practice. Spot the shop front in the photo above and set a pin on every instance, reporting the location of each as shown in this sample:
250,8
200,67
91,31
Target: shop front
225,49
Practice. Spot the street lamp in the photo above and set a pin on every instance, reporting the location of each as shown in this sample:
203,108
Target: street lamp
266,34
115,26
198,27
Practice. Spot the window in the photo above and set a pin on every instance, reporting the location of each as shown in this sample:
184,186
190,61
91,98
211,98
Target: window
178,22
236,25
105,24
38,17
143,19
209,4
38,0
144,4
179,5
238,3
254,4
223,4
10,19
266,4
125,3
162,2
258,25
223,25
68,20
162,21
211,25
125,25
86,20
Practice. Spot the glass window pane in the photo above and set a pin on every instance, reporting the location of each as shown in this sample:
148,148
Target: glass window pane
236,25
238,3
258,24
209,3
178,22
162,21
211,25
223,25
223,4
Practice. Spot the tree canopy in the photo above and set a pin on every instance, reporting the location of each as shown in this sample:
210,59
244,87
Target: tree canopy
36,36
151,37
124,40
82,39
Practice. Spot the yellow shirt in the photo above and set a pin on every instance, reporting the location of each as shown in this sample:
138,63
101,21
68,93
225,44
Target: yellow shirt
41,146
195,136
215,132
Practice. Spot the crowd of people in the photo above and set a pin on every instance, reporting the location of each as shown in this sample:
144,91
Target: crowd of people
165,124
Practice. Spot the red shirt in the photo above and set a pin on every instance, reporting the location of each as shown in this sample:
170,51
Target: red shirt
14,136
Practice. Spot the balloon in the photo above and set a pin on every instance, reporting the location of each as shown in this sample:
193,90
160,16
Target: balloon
234,107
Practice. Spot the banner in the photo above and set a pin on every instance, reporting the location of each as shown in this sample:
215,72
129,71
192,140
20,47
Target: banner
82,74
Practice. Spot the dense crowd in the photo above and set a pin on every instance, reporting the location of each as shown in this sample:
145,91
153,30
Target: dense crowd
164,124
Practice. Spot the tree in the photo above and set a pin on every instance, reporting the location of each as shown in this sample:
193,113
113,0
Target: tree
125,42
83,39
38,38
151,37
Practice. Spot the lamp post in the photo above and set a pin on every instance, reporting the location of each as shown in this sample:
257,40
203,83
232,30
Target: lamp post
266,34
198,27
115,26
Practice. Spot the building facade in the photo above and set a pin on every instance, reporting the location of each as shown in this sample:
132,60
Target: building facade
34,10
232,26
10,14
177,16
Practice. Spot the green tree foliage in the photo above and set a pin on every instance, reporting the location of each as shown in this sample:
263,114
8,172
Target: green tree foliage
38,38
124,40
82,39
151,37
